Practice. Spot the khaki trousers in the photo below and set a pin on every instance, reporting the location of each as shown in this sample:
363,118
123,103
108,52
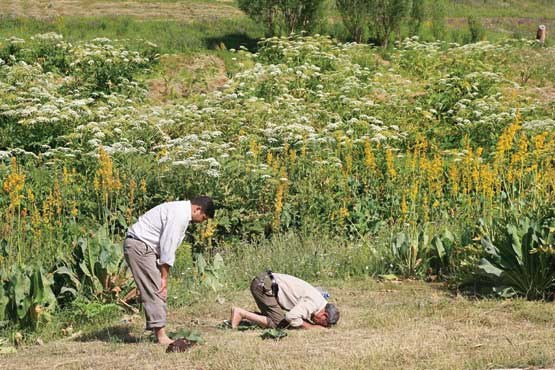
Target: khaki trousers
261,290
141,259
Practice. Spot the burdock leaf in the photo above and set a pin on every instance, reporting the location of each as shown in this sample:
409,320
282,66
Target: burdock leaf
275,334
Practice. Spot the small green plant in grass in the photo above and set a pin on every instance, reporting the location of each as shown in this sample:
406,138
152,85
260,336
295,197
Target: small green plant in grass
87,312
190,335
275,334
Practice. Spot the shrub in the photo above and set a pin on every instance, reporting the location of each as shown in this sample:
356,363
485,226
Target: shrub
520,257
284,15
475,29
355,15
386,18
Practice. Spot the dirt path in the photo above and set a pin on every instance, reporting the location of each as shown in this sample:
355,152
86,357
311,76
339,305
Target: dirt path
383,326
189,11
187,74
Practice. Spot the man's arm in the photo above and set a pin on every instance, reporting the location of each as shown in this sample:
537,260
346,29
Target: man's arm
307,325
164,272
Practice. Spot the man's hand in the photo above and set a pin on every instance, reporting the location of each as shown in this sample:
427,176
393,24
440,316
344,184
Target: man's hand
164,272
307,325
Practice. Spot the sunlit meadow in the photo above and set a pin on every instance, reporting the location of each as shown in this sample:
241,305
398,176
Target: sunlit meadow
363,161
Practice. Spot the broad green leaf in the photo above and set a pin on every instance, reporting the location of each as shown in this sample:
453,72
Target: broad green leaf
64,270
21,292
218,262
4,301
489,268
275,334
438,245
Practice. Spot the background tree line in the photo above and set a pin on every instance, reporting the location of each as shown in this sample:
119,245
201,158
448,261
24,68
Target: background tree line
374,21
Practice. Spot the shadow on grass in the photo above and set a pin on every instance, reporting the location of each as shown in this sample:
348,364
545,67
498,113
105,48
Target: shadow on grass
232,41
117,334
477,288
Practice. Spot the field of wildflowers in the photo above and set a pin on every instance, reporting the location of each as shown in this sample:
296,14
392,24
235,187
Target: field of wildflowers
350,159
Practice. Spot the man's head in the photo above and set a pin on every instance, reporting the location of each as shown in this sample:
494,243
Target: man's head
202,208
327,316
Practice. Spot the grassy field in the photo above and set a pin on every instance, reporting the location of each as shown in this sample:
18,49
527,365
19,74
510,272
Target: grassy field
408,325
182,26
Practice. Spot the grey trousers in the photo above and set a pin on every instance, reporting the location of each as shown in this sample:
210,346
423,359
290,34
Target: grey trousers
142,261
267,304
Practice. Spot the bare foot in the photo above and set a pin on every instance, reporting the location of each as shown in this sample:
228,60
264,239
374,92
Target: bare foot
235,317
161,336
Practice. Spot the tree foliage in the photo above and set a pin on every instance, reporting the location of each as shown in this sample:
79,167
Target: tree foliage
284,16
356,16
381,17
386,17
417,16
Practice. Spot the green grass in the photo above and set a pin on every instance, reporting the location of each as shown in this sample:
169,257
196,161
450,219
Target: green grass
500,18
500,8
171,36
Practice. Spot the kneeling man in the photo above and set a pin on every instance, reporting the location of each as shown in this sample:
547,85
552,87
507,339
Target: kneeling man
286,301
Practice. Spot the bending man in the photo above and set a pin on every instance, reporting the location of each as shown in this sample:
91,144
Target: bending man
286,301
149,250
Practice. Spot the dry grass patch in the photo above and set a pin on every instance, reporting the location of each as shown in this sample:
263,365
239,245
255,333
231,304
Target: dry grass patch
410,325
184,75
182,11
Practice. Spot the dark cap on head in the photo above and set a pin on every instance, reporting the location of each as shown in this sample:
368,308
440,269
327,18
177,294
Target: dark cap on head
206,205
333,314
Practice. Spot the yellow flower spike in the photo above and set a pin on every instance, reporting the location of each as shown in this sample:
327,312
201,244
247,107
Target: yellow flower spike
278,204
46,211
404,206
292,155
425,208
369,158
344,212
209,229
414,187
117,184
14,184
57,198
254,148
74,211
96,184
304,148
64,175
453,174
30,196
143,186
269,159
348,165
539,142
390,164
487,181
342,215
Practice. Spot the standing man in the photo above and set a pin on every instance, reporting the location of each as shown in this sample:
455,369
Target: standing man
149,250
286,301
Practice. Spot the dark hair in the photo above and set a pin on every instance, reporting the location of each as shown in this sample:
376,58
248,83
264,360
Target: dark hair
206,205
333,314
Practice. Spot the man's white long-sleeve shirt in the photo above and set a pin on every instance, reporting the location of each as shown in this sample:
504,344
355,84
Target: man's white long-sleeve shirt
163,229
299,298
